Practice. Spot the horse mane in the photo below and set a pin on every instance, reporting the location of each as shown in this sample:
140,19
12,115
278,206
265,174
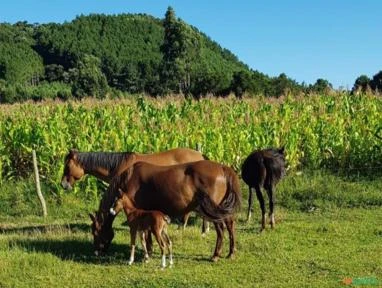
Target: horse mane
109,160
113,190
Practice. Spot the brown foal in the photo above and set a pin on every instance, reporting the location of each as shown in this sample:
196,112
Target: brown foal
144,221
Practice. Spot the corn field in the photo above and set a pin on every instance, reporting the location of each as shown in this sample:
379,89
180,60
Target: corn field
319,131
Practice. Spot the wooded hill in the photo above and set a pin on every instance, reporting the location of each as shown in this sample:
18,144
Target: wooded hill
100,55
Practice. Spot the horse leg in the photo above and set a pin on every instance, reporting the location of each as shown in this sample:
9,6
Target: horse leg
162,247
230,223
133,236
205,227
169,245
185,220
272,199
149,242
143,240
250,203
219,227
262,206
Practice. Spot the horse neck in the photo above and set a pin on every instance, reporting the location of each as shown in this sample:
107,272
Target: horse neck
101,165
128,206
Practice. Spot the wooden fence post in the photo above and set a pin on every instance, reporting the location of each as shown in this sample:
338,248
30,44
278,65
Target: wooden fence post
38,188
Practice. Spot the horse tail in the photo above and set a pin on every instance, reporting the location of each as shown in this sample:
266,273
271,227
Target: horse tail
275,165
229,205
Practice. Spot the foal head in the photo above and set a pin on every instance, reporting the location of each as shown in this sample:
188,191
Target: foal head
73,170
122,201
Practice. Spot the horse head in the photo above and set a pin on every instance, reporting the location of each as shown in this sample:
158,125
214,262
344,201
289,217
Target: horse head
102,234
73,170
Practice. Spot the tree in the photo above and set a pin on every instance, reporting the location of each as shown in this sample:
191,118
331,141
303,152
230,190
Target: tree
376,82
321,86
172,71
361,84
90,80
241,82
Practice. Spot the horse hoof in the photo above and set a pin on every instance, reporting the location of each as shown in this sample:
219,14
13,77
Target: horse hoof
231,256
215,258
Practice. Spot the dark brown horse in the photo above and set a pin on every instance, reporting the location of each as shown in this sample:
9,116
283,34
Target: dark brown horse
106,165
209,188
263,168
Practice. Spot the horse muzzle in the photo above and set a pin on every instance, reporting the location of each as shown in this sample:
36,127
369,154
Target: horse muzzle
66,185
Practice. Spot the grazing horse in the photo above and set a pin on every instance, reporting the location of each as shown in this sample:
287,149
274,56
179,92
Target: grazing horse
106,165
144,221
263,168
209,188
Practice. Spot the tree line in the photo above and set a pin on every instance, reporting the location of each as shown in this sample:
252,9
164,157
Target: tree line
112,55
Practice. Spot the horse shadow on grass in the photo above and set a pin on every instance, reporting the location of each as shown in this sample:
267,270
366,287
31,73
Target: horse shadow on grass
43,229
81,249
76,250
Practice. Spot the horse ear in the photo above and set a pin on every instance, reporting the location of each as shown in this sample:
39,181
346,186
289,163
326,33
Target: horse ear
281,150
92,217
73,153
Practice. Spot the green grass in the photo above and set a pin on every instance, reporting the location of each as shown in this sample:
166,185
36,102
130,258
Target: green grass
317,249
328,229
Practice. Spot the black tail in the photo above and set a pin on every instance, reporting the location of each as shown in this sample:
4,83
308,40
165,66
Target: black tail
230,203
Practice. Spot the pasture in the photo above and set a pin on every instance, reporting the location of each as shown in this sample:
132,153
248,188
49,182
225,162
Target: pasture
328,207
327,230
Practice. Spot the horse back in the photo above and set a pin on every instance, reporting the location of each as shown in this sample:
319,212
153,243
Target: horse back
171,157
263,167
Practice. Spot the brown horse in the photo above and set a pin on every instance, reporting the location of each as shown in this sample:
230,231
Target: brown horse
209,188
263,168
144,221
106,165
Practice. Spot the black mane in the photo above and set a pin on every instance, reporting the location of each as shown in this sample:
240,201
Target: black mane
109,160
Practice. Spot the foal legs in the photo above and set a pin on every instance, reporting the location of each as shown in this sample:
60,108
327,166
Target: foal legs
262,206
169,245
162,247
133,236
143,240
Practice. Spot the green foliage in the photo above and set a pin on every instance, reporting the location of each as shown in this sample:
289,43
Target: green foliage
19,63
361,84
376,82
241,83
90,81
130,53
335,132
321,86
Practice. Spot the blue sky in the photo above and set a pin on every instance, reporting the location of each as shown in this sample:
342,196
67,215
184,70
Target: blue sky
337,40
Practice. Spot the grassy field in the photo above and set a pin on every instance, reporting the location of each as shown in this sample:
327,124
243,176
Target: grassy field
328,217
328,231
